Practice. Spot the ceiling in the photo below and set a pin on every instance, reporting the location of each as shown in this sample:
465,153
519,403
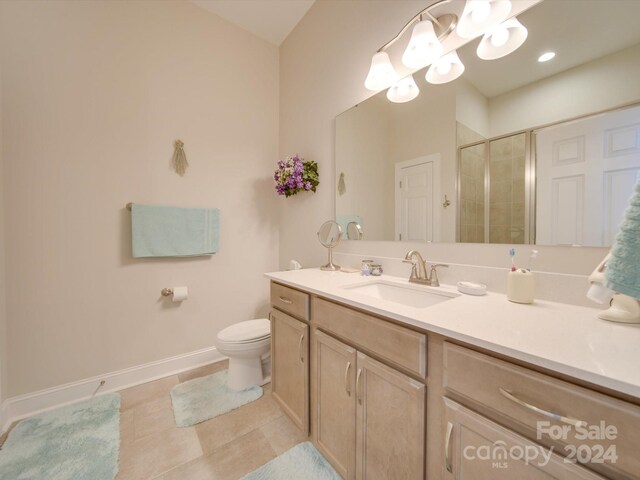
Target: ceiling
271,20
578,31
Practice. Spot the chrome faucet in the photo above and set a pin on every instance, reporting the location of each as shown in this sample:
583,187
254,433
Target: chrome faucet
419,269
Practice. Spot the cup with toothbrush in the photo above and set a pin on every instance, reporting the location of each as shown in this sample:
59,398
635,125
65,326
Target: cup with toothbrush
521,281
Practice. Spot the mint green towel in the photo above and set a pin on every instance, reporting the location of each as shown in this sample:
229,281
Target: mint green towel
623,269
158,231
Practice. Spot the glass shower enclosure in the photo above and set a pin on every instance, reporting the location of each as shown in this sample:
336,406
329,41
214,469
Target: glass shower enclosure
495,194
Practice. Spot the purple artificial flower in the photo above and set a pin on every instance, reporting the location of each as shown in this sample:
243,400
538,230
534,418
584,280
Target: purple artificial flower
292,176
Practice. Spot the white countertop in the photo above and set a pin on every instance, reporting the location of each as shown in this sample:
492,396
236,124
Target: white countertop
568,339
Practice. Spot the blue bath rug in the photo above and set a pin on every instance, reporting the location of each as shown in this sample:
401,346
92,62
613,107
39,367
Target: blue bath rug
79,441
203,398
301,462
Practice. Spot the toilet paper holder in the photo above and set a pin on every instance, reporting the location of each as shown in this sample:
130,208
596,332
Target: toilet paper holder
166,292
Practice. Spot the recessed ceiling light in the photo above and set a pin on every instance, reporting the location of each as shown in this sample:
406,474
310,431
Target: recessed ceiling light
545,57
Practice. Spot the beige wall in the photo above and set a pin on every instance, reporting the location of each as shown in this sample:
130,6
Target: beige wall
472,107
93,96
3,302
323,64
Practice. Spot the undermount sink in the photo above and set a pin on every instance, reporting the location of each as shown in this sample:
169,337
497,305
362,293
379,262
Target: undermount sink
409,295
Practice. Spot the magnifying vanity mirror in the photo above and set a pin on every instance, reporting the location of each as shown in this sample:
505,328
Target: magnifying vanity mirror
329,235
516,150
354,231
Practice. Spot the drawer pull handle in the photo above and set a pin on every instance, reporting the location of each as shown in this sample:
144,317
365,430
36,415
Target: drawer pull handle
358,392
447,447
286,300
347,387
555,416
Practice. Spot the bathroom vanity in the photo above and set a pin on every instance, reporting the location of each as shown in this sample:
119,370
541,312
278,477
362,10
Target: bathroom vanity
460,388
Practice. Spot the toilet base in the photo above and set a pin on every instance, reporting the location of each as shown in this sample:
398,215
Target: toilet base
247,372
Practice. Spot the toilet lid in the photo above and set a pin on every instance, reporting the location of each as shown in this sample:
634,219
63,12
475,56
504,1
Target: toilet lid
249,331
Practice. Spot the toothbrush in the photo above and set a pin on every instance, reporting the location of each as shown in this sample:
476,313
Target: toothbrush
532,257
512,254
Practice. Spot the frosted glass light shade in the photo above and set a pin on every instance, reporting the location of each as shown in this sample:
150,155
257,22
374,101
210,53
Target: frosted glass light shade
381,74
424,46
445,70
502,40
404,90
479,16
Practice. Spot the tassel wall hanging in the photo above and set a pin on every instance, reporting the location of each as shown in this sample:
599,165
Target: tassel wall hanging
179,160
342,187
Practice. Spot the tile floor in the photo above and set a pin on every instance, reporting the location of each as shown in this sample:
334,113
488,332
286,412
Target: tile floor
223,448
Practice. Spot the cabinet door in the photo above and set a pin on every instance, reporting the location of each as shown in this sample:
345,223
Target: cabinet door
390,424
334,380
289,367
475,448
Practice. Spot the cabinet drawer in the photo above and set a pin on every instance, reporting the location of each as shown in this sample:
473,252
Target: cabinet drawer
553,412
400,346
476,448
291,301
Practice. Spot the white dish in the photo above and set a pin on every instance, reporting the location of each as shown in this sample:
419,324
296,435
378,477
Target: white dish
471,288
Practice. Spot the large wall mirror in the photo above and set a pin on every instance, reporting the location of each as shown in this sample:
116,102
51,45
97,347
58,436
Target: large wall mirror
513,151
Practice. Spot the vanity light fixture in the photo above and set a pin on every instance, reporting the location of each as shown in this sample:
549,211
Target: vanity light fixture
502,40
404,90
446,69
480,15
381,74
422,45
545,57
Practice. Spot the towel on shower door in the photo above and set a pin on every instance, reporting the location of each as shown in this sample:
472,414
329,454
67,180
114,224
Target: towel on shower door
159,231
623,269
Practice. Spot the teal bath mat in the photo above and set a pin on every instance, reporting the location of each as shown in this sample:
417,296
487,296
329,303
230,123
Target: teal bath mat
203,398
79,441
301,462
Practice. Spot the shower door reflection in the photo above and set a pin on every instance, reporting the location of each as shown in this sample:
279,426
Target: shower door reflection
494,197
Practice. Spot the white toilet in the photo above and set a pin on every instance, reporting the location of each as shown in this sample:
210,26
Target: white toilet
247,344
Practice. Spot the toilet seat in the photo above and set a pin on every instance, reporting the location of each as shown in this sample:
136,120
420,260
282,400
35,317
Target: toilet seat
250,331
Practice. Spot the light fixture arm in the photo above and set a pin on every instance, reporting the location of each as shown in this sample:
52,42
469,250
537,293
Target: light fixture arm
442,31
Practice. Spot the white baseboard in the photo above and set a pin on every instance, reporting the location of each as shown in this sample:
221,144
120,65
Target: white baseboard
22,406
4,417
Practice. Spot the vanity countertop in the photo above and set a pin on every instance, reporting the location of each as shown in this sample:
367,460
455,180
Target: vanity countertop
565,338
